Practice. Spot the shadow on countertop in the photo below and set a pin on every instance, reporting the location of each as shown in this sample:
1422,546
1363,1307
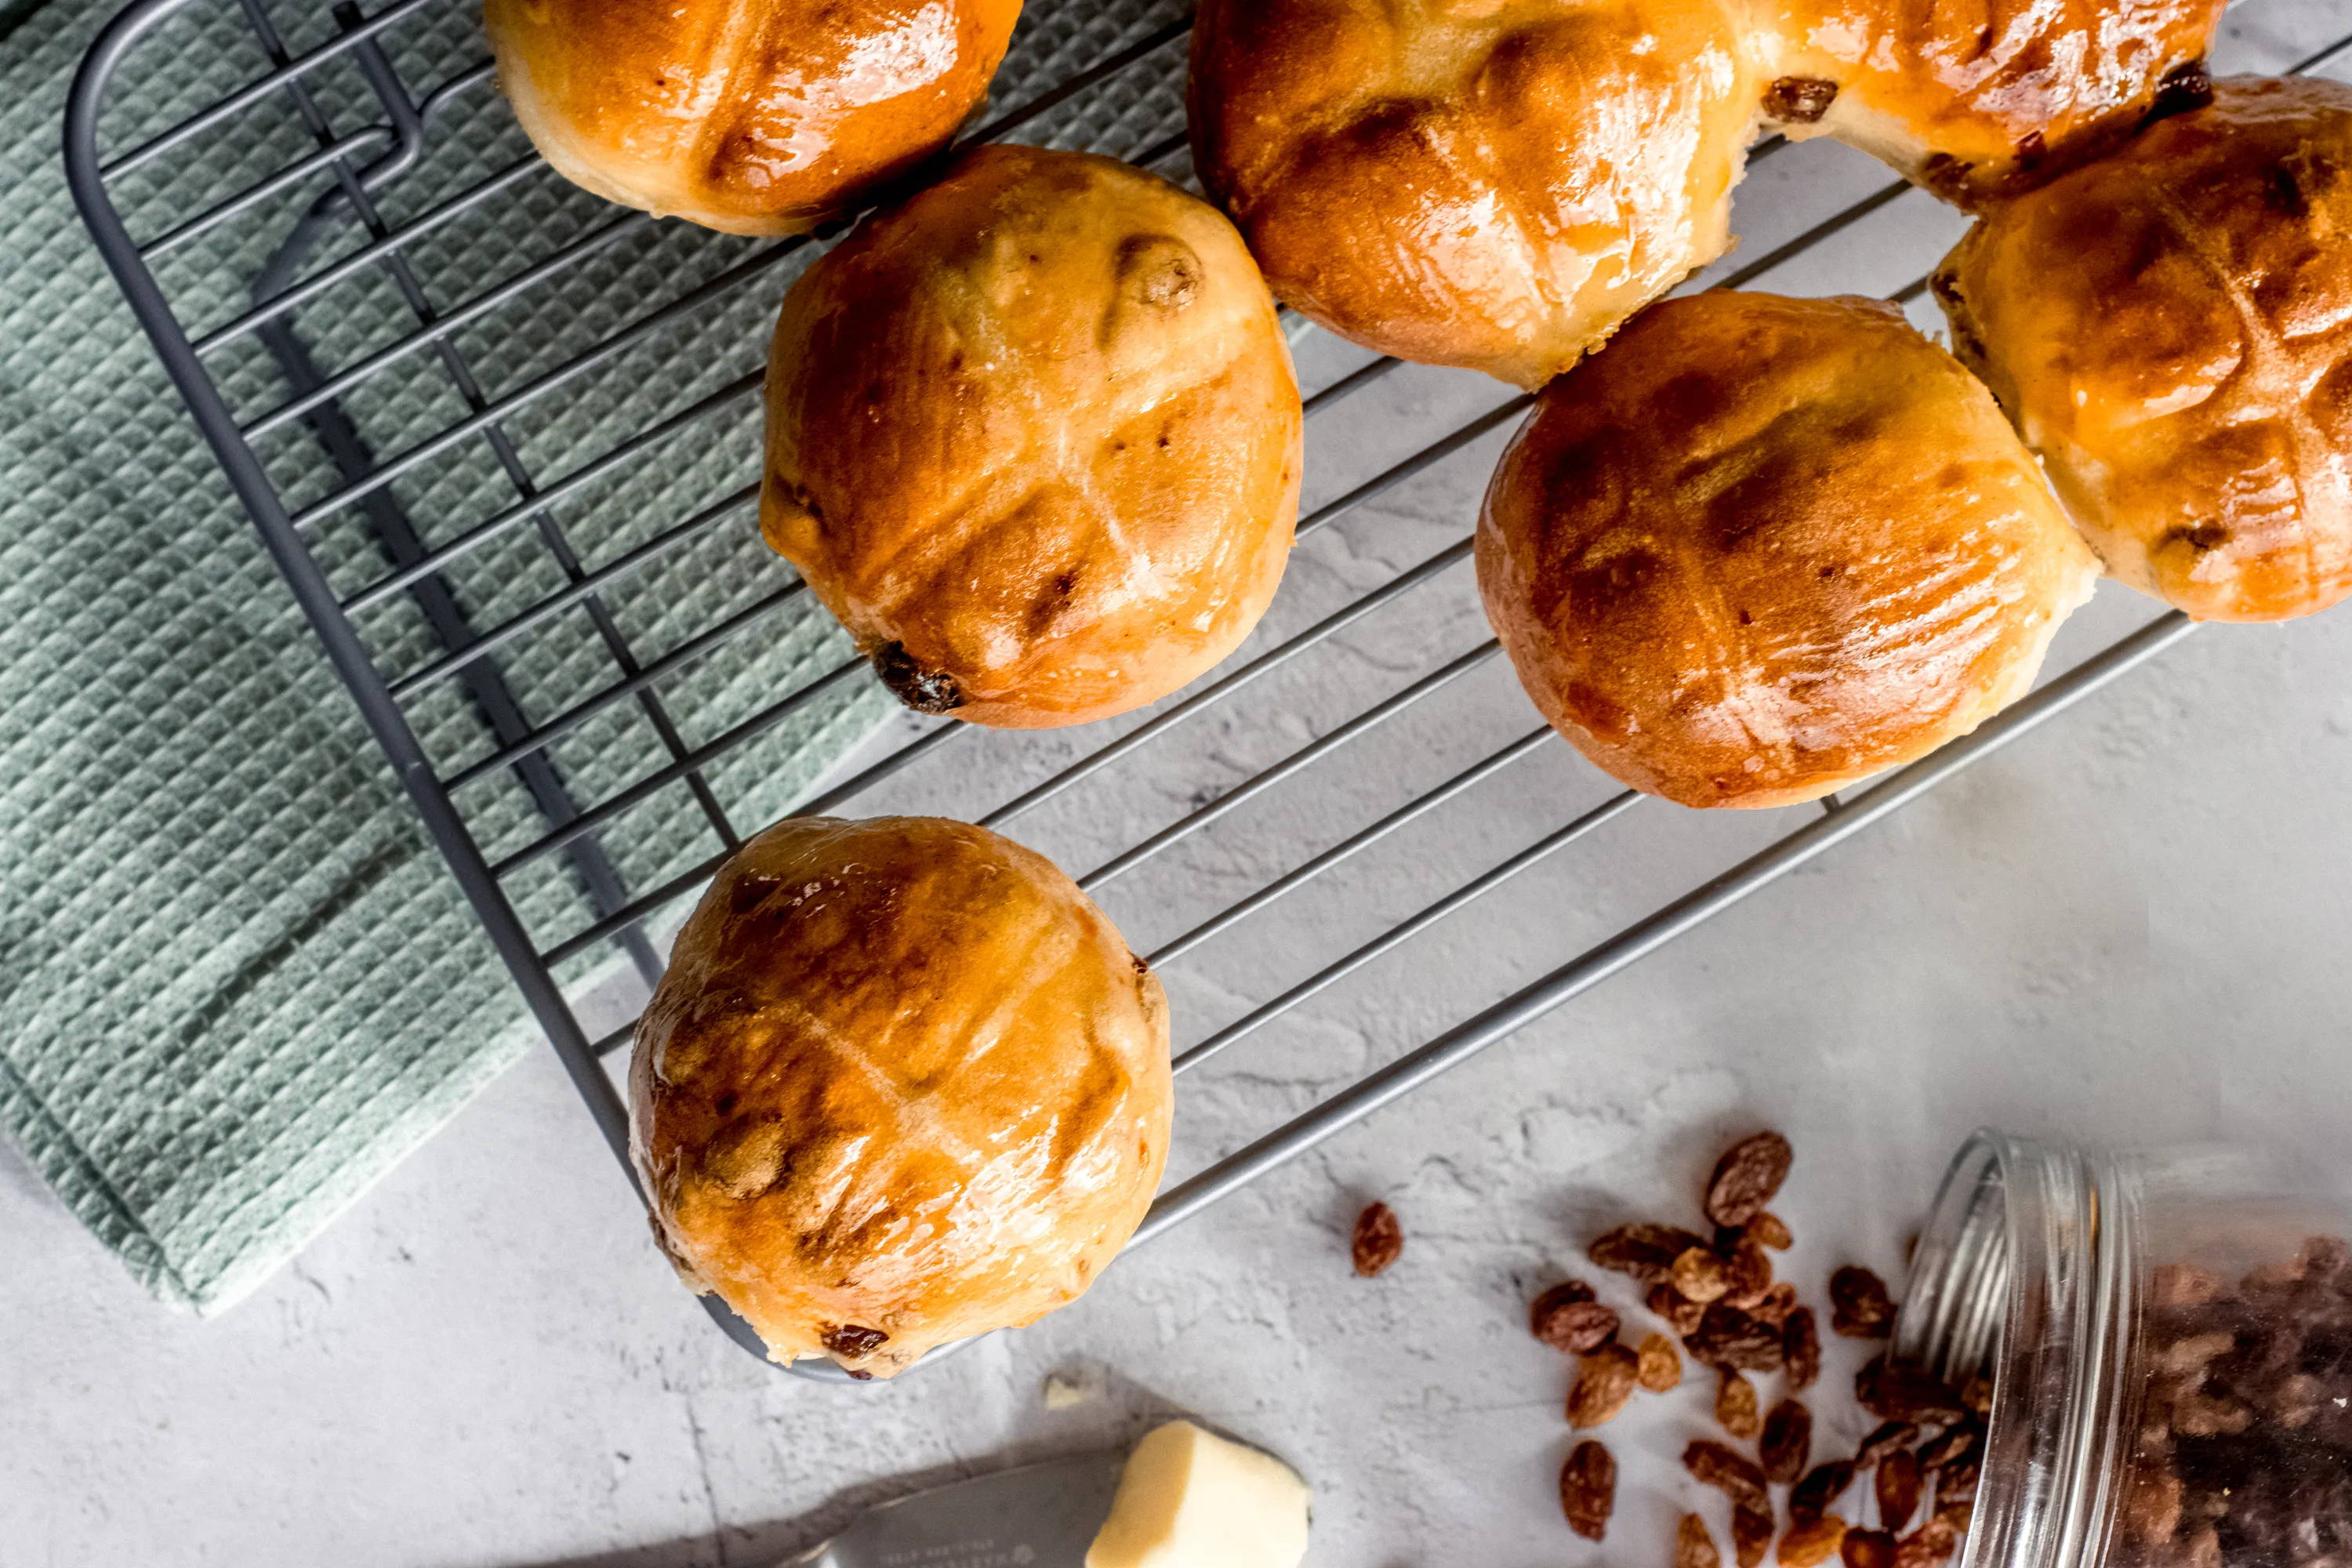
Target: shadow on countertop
778,1543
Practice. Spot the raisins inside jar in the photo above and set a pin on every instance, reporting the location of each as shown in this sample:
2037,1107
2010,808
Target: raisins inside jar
2169,1342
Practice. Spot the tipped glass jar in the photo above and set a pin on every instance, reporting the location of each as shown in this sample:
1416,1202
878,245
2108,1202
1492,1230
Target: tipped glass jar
2169,1339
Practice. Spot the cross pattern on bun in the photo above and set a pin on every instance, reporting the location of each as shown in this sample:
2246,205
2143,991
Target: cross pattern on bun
750,116
903,1083
1033,436
1493,185
2171,329
1497,184
1758,549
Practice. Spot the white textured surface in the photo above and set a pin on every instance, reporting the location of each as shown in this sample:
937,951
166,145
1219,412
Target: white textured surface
2130,926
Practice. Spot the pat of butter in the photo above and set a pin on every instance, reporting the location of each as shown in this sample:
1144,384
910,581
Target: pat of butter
1189,1498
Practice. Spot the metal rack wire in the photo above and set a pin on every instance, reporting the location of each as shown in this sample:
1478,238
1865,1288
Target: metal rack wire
493,593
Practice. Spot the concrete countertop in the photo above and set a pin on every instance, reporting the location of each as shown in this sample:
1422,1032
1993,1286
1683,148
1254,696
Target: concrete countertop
2130,926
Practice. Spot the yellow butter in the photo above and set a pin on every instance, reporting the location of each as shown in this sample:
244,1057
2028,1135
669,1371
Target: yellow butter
1189,1498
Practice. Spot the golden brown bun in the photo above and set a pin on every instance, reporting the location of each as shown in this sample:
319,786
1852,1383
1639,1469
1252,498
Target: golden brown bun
750,116
1975,98
902,1084
1497,184
1758,549
1494,184
1034,437
2171,329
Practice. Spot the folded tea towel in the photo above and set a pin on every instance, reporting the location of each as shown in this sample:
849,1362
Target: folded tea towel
236,983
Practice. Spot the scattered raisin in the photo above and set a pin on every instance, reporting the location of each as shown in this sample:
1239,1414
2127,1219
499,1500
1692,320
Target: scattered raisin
1800,1350
1693,1547
1725,1336
2185,87
1682,1314
1788,1441
2298,1400
2152,1506
1884,1439
1932,1542
2184,1285
851,1339
1868,1549
1898,1391
1810,1542
1897,1485
1647,1252
1798,100
2176,1358
1822,1485
1604,1381
1160,270
1749,1173
1751,1535
1378,1240
2325,1259
1588,1489
1737,1477
1748,1276
1658,1365
1735,1405
1698,1275
1776,1305
2201,1415
2316,1262
1568,1319
749,892
1957,1482
1771,1230
1954,1442
1860,1308
1946,175
923,689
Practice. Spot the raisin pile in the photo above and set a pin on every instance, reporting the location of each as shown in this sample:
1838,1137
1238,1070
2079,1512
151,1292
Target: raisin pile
1723,1308
2244,1445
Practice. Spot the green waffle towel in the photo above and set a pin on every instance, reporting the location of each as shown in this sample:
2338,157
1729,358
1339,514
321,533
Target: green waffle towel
238,982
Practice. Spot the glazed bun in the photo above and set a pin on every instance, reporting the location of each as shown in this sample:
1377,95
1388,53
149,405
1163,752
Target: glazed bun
1492,185
1034,439
2171,329
1980,98
1497,184
750,116
1759,549
902,1084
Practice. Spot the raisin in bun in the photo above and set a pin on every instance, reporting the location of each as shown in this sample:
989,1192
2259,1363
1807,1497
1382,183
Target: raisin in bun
1034,439
902,1084
1497,184
2171,329
1973,99
750,116
1493,183
1758,548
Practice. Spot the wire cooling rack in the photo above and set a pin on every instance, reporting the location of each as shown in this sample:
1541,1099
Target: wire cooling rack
566,636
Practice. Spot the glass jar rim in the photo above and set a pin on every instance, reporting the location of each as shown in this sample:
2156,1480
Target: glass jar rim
2024,1271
